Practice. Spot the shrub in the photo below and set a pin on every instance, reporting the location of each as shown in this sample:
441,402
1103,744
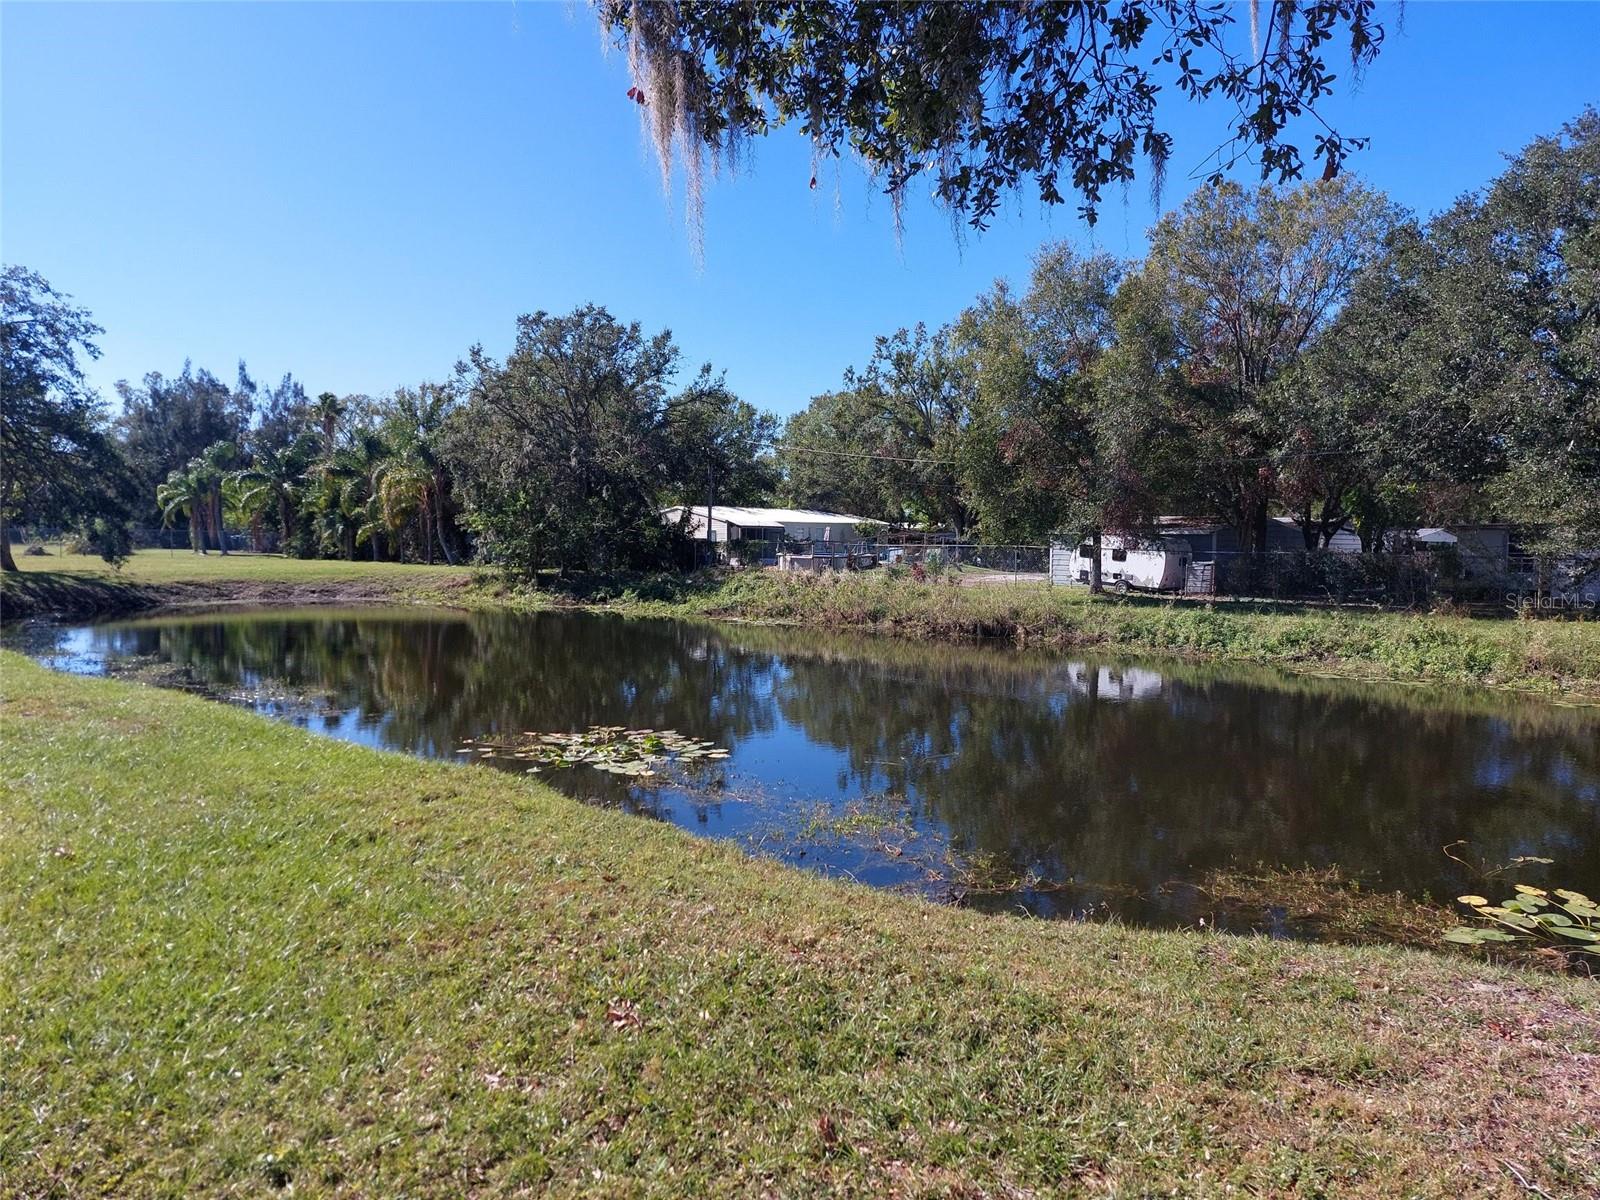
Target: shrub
109,538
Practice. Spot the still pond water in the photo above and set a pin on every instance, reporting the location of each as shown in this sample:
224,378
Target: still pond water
996,777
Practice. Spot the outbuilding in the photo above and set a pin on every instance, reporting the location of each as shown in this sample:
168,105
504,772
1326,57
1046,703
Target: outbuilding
773,526
1127,562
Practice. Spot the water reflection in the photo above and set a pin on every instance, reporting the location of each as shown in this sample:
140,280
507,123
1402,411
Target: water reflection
1115,777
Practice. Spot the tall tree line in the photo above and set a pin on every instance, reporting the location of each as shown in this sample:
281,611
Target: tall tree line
560,457
1312,352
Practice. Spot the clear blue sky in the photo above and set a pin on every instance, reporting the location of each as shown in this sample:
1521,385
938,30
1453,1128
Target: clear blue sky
357,193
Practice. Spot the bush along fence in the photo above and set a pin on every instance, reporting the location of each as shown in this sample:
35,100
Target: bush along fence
933,558
1520,584
1389,580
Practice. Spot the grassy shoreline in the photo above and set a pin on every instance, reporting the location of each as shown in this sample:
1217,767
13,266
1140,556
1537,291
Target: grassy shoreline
1559,659
240,957
1556,659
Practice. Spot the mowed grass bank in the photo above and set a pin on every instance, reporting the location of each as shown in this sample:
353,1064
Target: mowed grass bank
1555,657
239,958
77,585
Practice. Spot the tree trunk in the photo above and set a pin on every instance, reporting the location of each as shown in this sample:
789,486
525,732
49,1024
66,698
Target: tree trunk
285,520
1371,532
197,528
217,523
1253,527
438,521
1095,584
7,563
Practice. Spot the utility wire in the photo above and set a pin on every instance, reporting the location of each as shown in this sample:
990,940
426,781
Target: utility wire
951,462
942,462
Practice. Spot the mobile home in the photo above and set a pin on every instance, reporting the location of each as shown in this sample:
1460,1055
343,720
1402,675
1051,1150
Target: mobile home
1127,562
764,529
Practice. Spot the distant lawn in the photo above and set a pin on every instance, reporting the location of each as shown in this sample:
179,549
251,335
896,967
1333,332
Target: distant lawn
185,566
237,957
84,586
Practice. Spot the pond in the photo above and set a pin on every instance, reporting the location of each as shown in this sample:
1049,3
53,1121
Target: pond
1057,785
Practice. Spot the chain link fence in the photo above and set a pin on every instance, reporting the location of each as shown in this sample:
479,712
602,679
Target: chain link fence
967,563
1403,580
53,540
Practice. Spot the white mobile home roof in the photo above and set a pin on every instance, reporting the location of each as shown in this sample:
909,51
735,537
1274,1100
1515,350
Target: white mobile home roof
758,518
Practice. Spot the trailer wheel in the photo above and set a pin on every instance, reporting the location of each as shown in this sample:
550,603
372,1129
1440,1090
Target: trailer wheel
1120,587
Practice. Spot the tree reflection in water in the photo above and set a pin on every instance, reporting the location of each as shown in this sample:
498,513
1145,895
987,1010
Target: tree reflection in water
1115,777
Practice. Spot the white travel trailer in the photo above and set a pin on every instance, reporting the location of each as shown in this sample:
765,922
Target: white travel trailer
1127,563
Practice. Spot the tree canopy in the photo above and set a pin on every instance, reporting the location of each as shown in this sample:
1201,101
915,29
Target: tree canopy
1310,352
1239,285
565,450
167,422
1486,325
979,97
56,461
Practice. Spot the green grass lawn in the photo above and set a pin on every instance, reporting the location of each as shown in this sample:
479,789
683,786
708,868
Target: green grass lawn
237,958
77,585
184,566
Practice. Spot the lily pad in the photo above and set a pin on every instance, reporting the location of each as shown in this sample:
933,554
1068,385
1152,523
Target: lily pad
632,753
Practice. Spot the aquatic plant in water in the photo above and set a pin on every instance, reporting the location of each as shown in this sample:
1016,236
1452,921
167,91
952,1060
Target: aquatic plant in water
1563,919
636,753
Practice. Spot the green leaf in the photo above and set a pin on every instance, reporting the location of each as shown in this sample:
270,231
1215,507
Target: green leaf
1467,936
1575,933
1518,921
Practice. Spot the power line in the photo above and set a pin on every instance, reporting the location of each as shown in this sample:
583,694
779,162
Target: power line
785,447
940,462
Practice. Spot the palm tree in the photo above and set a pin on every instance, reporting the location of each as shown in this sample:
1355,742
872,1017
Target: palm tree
246,505
403,490
328,409
415,427
329,499
341,491
185,493
276,479
214,466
